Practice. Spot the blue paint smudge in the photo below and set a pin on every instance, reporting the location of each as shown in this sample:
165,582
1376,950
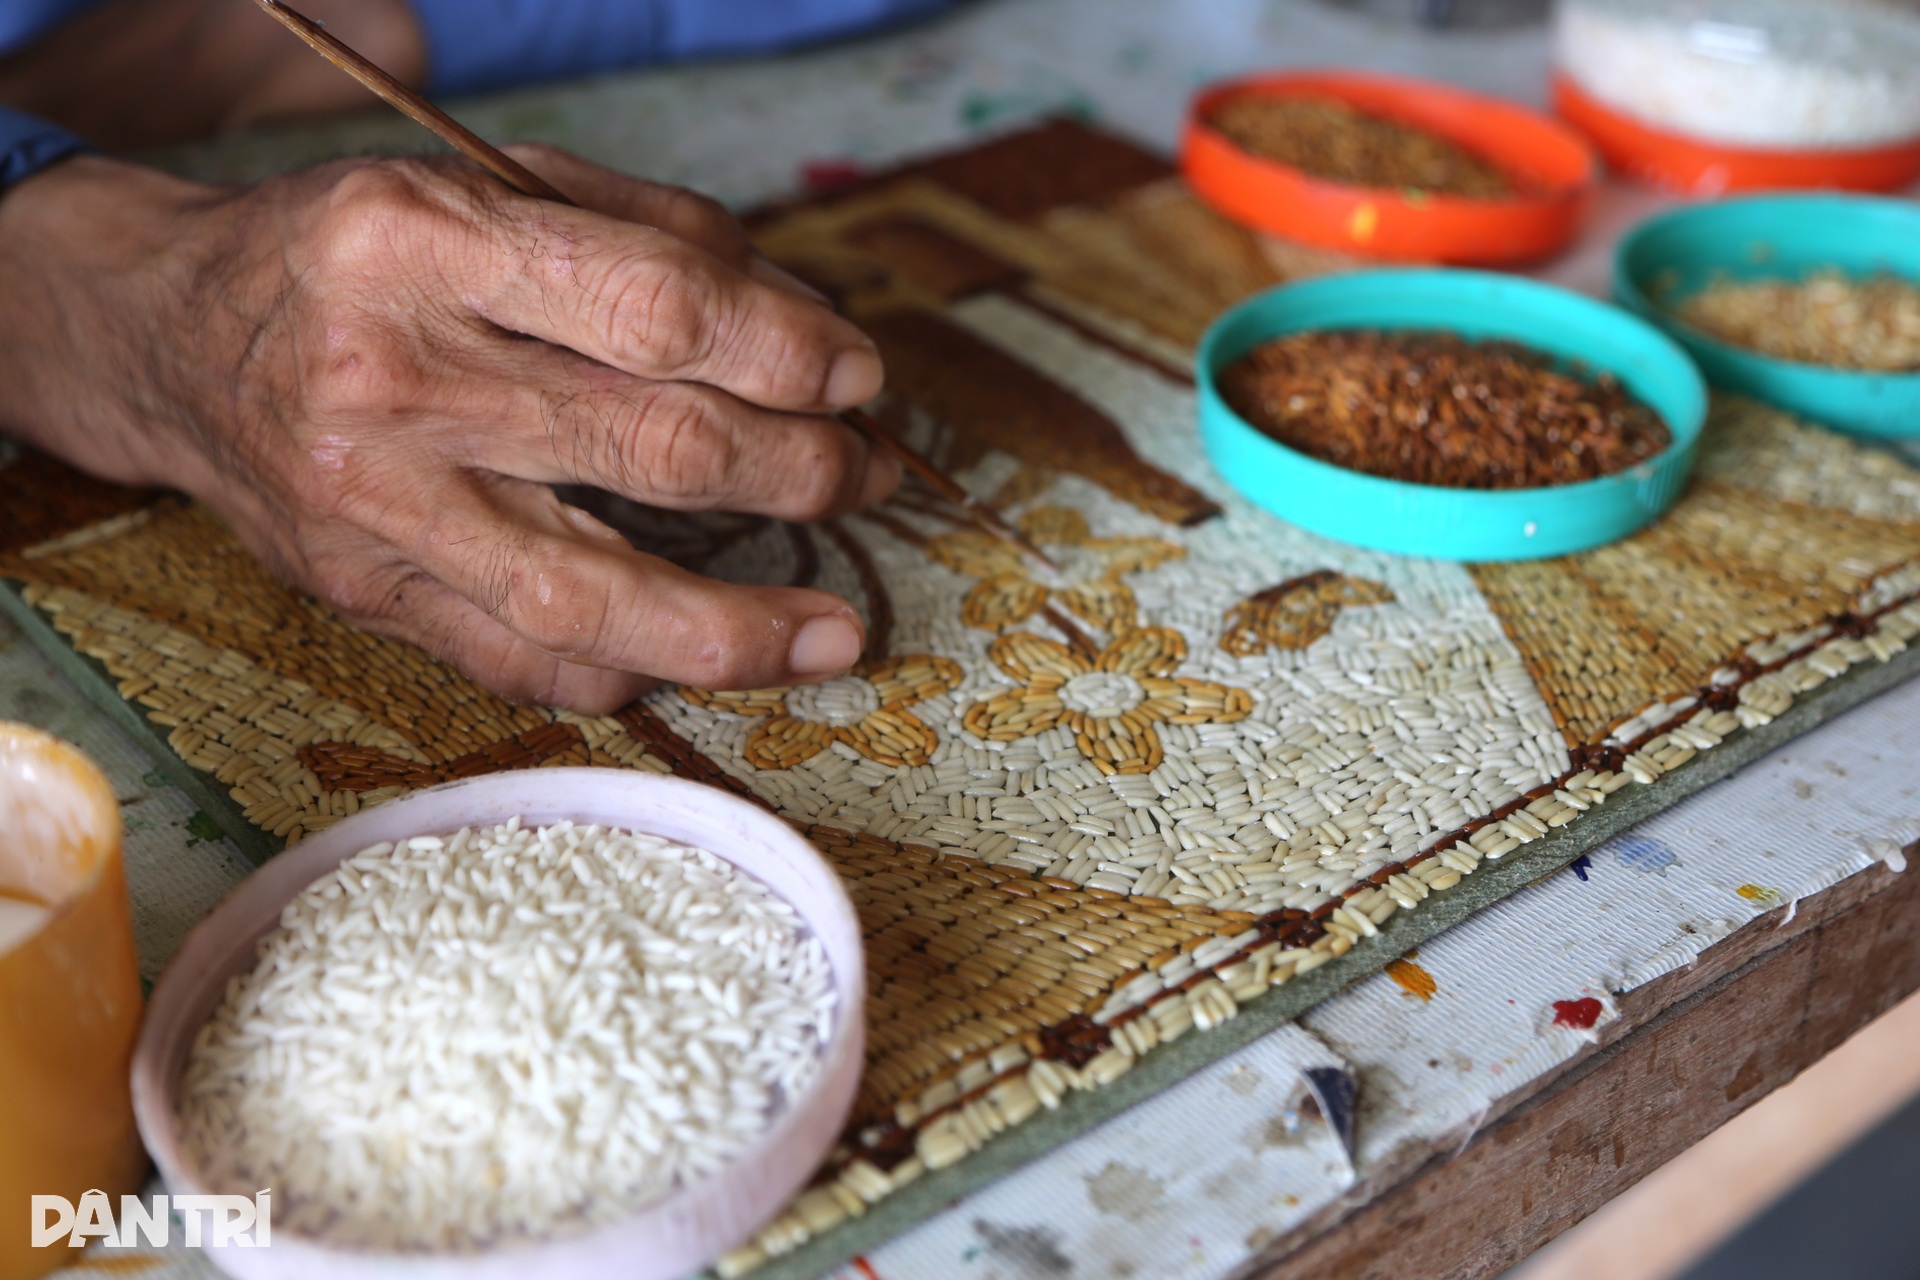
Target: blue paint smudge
1645,855
1337,1091
1580,866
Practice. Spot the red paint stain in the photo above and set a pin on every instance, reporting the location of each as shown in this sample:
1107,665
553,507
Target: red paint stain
1577,1015
864,1267
826,175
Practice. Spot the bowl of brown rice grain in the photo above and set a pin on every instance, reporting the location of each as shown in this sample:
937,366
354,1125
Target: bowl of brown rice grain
1457,415
1390,168
556,1022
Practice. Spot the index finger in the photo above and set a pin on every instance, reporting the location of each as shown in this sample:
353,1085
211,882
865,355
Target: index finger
687,214
656,306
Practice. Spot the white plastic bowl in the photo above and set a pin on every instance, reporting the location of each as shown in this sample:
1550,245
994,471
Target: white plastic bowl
670,1237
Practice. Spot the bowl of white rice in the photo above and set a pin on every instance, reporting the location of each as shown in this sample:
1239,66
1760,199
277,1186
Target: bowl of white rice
561,1022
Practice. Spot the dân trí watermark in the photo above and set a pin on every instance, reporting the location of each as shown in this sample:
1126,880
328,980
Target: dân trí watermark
205,1221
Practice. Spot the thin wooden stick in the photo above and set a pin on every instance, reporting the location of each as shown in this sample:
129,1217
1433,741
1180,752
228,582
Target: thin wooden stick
411,104
942,483
524,180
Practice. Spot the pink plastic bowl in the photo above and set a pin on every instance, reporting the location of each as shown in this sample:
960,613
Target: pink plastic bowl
670,1237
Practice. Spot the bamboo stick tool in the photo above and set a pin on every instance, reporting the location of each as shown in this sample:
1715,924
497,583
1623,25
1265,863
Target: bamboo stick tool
522,179
942,483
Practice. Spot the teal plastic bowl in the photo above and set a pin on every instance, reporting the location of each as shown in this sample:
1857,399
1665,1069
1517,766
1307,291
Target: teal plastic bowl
1428,520
1676,253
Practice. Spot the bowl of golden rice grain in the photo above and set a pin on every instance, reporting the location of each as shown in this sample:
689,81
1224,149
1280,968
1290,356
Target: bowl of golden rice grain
1808,302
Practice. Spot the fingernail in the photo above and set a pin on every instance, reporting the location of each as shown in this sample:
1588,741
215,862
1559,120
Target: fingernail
826,645
856,376
769,274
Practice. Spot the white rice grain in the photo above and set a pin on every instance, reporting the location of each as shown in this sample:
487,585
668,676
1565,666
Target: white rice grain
504,1034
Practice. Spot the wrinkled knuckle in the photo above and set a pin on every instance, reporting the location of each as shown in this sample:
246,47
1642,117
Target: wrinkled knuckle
794,353
724,653
559,610
676,451
671,313
371,209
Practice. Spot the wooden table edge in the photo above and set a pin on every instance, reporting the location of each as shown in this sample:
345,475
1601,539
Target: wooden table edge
1689,1051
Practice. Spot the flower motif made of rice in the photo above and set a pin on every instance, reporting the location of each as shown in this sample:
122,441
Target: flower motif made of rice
1295,613
865,710
1112,701
1011,589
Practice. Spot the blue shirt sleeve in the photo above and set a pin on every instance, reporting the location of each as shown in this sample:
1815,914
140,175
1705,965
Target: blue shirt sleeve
475,45
24,20
28,145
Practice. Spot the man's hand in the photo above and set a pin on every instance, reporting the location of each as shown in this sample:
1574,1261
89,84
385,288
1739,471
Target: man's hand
374,371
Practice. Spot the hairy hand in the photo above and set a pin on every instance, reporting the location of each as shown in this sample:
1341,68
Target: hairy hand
374,370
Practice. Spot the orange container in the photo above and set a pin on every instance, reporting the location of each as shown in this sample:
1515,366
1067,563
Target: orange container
69,993
1693,167
1554,167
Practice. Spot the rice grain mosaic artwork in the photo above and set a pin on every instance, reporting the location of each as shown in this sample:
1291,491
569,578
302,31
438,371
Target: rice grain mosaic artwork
1083,812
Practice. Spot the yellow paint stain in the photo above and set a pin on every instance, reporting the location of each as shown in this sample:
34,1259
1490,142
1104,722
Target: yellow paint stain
1364,222
1759,893
1413,980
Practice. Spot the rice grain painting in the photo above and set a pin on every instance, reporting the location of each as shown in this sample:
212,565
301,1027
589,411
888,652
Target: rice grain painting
1084,813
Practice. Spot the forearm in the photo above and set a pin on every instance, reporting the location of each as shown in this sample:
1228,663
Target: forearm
137,73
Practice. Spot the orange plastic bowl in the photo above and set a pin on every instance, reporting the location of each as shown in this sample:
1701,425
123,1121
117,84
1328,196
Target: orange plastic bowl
1691,166
1554,167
